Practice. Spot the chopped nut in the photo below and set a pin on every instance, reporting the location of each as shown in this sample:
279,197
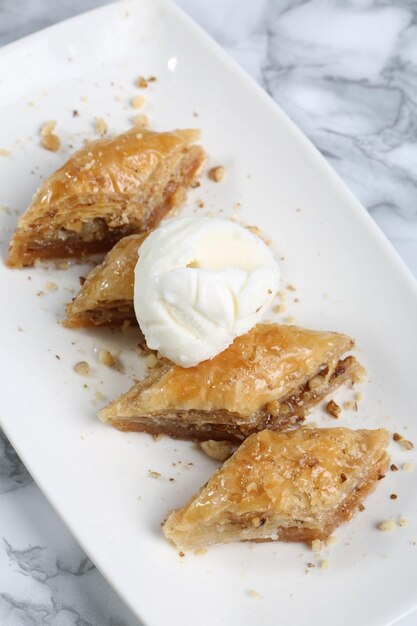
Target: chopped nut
51,142
82,368
141,120
291,287
343,478
154,474
62,265
47,128
51,286
106,358
151,361
151,79
254,594
310,565
75,113
361,508
333,409
406,445
394,468
280,308
217,174
402,522
138,102
141,82
397,437
387,525
181,553
330,541
393,496
4,153
407,467
325,564
316,545
100,125
219,450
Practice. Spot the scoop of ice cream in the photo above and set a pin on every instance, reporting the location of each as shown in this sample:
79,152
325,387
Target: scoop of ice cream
200,282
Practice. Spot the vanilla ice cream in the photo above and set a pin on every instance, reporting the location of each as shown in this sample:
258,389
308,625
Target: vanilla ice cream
200,282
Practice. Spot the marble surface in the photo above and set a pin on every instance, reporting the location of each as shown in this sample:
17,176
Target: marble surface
346,72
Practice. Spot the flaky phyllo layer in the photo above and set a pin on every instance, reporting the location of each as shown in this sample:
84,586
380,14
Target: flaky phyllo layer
267,379
293,486
105,191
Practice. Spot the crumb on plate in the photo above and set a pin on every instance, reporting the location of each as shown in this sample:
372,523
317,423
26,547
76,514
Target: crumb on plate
82,368
216,174
105,357
333,409
100,125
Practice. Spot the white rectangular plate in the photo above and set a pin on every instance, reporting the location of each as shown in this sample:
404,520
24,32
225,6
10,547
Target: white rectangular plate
347,278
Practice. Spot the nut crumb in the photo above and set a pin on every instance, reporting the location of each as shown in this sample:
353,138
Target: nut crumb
216,174
333,409
406,445
141,82
181,553
316,545
138,102
389,524
279,308
219,450
4,152
51,286
402,521
393,496
397,437
106,358
153,474
407,467
82,368
361,508
325,564
100,125
358,396
141,120
62,265
291,287
330,541
49,140
393,468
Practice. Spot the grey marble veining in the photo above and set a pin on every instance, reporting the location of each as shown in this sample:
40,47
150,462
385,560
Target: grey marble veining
346,72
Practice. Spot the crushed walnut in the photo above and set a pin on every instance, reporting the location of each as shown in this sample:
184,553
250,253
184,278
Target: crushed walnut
106,358
393,468
389,524
51,286
406,445
49,140
216,174
100,125
82,368
153,474
219,450
138,102
141,120
333,409
141,82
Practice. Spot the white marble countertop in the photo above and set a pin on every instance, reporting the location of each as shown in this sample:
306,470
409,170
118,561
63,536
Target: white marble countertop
346,72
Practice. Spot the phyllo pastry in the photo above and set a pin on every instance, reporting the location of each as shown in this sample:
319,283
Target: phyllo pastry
293,486
105,191
106,297
268,378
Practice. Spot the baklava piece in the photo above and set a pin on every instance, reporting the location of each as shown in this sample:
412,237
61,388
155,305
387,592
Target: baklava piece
107,190
106,297
268,378
293,486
